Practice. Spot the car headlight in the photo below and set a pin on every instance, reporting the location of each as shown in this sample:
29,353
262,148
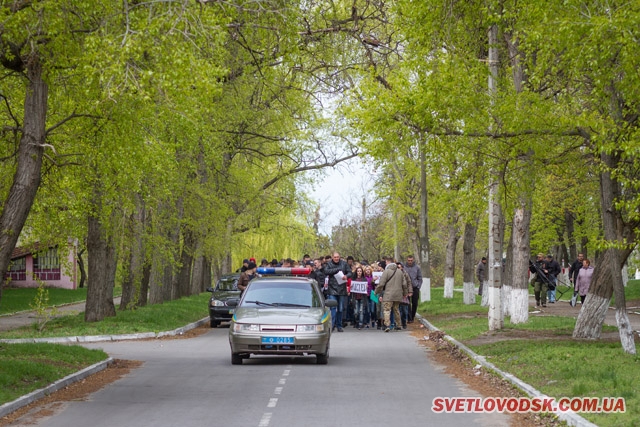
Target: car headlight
310,328
217,303
245,327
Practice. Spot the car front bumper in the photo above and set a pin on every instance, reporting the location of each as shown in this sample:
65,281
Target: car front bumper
251,343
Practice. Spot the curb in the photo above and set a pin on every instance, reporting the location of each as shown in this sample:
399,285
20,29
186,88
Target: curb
570,418
103,338
27,399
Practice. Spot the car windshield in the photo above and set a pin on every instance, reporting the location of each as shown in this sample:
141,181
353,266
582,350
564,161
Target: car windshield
229,283
281,294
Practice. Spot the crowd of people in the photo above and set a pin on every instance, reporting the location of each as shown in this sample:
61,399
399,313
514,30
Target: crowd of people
392,293
389,301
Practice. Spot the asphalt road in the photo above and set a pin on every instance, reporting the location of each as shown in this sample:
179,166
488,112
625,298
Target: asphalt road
372,379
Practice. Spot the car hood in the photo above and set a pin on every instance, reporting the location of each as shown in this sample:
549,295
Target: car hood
225,295
280,316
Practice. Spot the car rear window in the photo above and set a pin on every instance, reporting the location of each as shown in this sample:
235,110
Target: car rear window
301,294
227,284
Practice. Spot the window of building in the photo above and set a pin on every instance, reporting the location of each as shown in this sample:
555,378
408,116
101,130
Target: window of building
17,269
46,265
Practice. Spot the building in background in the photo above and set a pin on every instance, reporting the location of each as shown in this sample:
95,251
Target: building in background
51,265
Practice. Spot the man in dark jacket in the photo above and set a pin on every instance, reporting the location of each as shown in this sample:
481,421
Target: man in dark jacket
415,274
575,269
540,286
318,274
337,289
552,270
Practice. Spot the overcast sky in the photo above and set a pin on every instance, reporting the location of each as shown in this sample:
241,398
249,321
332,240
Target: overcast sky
340,192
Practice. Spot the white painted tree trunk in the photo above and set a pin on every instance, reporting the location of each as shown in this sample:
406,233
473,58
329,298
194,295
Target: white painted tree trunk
484,302
469,293
448,287
425,289
494,264
519,306
506,300
626,332
591,317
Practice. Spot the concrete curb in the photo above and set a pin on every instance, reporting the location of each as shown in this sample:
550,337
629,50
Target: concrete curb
103,338
27,399
570,418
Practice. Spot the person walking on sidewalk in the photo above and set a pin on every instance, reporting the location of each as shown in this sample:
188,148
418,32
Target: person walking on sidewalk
583,281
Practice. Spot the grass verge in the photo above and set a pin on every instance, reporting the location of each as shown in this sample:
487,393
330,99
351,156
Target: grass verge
543,353
152,318
28,367
20,299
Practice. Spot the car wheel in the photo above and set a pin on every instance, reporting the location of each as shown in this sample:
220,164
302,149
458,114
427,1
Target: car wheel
214,324
322,359
236,359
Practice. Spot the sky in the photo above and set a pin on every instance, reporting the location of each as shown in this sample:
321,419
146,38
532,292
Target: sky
339,192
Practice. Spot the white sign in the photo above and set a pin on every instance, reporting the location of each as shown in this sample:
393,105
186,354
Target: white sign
340,277
359,287
376,276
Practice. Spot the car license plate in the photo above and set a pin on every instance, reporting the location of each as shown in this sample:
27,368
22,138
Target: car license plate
277,340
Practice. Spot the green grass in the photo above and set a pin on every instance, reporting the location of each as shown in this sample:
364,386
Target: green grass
20,299
556,364
28,367
567,368
152,318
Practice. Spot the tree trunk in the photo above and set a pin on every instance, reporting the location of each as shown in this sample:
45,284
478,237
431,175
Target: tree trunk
132,283
450,258
506,279
27,177
571,229
186,265
469,261
197,281
520,268
425,267
101,273
607,277
494,260
83,272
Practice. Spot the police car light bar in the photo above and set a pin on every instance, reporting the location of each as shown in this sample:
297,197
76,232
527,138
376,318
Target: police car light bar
290,271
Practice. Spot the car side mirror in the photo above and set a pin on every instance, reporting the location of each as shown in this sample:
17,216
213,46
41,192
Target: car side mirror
330,303
209,289
232,302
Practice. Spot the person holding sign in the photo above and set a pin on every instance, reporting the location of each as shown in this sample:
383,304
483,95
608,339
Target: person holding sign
392,288
337,270
359,286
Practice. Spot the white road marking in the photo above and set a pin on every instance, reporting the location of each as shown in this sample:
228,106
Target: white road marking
286,372
272,402
282,381
265,420
278,390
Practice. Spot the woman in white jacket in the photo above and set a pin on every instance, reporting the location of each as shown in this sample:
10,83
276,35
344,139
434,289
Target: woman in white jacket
584,279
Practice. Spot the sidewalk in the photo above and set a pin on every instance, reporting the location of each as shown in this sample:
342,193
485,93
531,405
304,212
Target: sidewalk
26,318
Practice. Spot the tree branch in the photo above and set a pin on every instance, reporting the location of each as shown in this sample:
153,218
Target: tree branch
63,121
307,168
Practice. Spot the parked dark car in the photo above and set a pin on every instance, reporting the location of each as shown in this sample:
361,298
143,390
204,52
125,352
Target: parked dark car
226,289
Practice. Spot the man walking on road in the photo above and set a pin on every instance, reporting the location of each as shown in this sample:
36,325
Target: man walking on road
392,288
337,289
415,274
